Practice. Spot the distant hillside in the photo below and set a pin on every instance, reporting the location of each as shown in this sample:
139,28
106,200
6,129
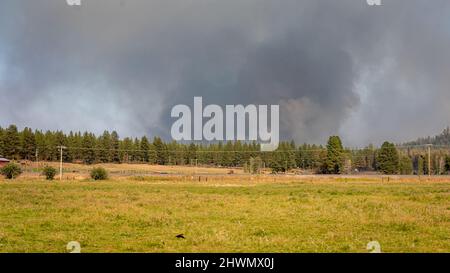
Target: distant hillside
441,139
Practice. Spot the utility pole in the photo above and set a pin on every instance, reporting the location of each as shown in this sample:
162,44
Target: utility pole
429,159
61,161
196,164
37,157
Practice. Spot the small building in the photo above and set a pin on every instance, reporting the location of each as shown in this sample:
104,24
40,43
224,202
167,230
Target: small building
3,161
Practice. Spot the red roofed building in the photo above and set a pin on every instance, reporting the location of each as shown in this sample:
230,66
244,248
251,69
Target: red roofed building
3,161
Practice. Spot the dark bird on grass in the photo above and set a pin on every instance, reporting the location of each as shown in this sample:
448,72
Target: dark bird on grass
180,236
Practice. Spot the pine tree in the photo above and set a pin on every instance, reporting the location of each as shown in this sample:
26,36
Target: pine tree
405,165
28,144
77,144
71,147
191,153
420,165
145,149
60,140
115,146
137,153
161,151
388,159
227,154
152,154
51,150
88,145
40,144
126,146
277,161
104,147
1,141
334,162
447,164
11,142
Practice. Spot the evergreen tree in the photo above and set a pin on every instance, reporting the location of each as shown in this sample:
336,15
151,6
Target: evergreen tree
334,162
191,153
88,145
420,165
1,141
104,148
145,149
238,154
108,147
72,147
11,142
50,151
176,153
161,151
28,144
388,159
115,146
227,154
405,165
137,153
126,147
447,164
40,144
277,161
152,154
77,144
60,140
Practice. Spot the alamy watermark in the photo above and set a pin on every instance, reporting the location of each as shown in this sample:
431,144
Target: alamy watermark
73,2
235,124
373,2
78,2
73,247
374,247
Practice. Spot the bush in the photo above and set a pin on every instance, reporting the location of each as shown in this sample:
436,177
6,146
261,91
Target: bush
49,172
11,171
99,174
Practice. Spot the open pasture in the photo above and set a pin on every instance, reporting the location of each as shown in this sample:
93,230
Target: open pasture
224,213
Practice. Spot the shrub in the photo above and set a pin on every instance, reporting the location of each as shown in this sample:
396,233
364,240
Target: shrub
11,171
49,172
99,174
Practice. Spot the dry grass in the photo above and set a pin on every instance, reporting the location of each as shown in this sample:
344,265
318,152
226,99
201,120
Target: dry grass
225,214
80,171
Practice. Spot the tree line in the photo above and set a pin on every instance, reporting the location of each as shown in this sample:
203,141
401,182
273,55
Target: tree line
442,139
87,148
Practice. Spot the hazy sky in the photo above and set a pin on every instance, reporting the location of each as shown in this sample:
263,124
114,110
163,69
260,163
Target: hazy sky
341,67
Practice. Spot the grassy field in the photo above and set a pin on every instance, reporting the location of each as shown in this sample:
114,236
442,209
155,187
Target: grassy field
225,214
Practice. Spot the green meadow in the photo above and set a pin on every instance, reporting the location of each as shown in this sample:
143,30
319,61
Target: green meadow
221,215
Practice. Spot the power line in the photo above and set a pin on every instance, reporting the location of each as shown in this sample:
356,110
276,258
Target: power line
299,150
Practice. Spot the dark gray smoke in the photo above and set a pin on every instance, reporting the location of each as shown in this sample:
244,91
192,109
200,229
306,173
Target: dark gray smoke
335,67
